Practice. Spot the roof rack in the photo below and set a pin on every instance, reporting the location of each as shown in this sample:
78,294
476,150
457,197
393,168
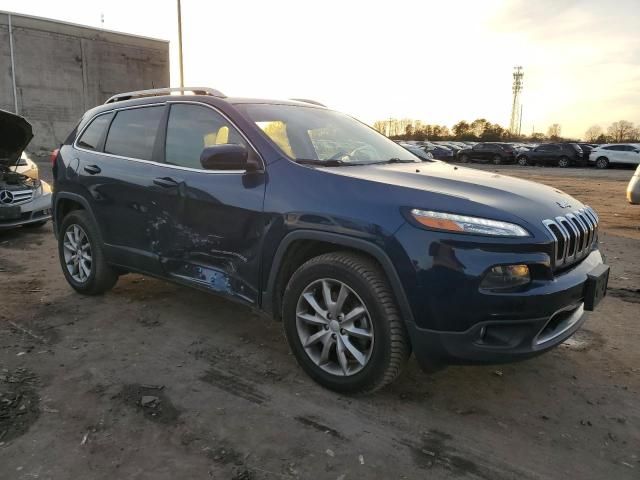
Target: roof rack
312,102
157,92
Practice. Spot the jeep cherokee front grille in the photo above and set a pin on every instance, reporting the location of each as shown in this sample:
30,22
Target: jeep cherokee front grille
574,235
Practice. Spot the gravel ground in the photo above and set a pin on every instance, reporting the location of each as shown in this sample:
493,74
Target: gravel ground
158,381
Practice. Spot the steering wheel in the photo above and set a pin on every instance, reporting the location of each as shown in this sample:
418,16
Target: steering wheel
368,151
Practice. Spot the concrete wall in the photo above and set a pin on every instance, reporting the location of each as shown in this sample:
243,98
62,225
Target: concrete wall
62,70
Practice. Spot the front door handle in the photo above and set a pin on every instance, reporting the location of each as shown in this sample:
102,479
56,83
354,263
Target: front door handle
165,182
92,169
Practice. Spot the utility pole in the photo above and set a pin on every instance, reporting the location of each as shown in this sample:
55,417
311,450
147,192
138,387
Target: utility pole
520,126
180,45
515,107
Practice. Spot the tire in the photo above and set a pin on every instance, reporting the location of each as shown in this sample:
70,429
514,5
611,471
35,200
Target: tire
522,161
497,159
564,162
464,159
101,276
388,348
602,163
36,224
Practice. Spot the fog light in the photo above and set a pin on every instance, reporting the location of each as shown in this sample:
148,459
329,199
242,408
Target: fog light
506,276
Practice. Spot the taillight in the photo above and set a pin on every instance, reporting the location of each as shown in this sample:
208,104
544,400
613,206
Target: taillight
54,156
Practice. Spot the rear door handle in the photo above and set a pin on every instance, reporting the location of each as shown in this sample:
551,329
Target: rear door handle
92,169
165,182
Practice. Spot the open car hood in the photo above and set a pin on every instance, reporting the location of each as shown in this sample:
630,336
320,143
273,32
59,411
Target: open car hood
15,135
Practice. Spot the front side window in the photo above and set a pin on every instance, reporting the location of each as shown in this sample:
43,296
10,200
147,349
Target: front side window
94,133
133,132
320,136
191,129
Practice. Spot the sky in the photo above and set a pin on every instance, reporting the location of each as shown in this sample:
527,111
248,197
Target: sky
436,61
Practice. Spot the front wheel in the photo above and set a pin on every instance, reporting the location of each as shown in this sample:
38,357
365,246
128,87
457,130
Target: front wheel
343,325
564,162
522,161
81,256
602,163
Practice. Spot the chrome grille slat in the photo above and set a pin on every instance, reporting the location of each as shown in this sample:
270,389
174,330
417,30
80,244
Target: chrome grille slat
574,235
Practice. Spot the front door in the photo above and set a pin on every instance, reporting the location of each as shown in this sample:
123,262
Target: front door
215,231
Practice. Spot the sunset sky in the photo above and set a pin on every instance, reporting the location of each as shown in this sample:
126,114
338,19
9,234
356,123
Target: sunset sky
439,62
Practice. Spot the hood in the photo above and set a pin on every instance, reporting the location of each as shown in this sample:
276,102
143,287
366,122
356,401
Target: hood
524,199
15,135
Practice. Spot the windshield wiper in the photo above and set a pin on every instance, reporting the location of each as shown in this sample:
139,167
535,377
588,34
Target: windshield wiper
322,163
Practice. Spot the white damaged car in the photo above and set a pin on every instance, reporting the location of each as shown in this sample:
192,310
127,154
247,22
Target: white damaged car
24,199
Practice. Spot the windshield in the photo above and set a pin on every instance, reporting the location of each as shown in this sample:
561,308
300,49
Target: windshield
323,137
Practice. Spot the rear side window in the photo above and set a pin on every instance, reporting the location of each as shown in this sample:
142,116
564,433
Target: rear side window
133,132
94,133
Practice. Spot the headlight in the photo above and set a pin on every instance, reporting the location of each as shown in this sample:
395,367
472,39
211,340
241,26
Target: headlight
506,276
464,224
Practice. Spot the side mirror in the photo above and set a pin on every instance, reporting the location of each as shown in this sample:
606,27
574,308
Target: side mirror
229,156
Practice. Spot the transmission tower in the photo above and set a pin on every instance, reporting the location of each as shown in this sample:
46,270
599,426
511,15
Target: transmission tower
516,108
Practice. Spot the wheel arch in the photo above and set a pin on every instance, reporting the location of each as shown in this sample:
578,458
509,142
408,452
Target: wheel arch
317,243
66,202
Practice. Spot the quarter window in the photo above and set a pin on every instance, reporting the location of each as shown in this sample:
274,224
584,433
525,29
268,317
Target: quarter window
94,133
191,129
133,132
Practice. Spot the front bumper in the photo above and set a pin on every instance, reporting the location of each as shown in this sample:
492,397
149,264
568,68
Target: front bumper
35,211
517,327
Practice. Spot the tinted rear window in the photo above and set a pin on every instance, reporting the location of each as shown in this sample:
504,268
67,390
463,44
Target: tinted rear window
94,133
133,132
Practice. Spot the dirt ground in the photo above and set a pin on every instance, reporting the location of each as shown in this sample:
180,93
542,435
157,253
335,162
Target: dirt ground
158,381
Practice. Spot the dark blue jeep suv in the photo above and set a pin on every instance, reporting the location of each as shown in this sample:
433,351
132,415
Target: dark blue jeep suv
364,252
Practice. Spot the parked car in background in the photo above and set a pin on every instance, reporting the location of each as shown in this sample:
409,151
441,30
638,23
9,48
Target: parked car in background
618,153
494,152
439,152
364,253
24,200
418,151
27,167
560,154
633,189
586,151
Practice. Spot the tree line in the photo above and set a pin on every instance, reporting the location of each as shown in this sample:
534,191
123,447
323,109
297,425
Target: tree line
483,130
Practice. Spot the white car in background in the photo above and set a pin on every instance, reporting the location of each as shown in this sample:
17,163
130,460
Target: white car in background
623,153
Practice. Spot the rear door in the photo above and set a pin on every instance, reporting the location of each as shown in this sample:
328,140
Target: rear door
215,233
118,174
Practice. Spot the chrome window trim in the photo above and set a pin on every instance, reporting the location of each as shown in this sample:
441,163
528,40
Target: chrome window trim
161,164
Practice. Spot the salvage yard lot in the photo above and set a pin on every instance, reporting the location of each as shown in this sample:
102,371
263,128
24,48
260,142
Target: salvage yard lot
157,381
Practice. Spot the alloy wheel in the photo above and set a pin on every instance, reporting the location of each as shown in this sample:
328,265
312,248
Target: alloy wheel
334,327
77,253
522,161
563,162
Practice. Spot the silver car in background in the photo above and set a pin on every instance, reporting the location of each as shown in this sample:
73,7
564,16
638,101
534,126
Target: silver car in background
633,190
25,200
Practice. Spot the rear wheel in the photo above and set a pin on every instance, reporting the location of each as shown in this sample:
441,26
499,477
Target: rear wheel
602,162
497,159
564,162
81,256
343,325
522,161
